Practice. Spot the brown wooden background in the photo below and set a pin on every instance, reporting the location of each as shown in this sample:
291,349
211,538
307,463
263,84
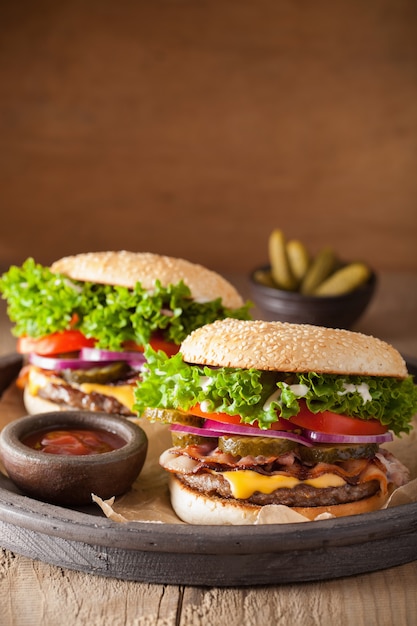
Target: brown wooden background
193,128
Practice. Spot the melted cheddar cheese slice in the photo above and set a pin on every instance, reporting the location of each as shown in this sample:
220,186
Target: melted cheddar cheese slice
122,393
244,483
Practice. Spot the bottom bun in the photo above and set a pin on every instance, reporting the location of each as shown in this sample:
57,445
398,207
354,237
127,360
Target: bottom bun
36,404
194,507
197,508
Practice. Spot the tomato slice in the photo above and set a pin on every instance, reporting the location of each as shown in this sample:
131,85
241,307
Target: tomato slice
325,422
333,423
280,424
55,343
168,347
74,340
157,343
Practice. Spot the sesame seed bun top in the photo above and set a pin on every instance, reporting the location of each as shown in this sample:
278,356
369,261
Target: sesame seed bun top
125,269
279,346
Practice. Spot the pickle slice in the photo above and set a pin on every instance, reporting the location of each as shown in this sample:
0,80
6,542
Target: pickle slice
102,374
182,440
330,453
255,446
171,416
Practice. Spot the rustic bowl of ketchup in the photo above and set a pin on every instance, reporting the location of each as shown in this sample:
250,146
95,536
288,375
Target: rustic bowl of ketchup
64,457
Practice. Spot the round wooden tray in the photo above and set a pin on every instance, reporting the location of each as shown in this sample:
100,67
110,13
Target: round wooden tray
179,554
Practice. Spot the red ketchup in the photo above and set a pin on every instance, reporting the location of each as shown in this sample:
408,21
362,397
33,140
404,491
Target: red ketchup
74,441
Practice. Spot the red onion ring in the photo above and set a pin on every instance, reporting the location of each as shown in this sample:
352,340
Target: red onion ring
195,430
87,360
306,437
318,437
97,354
212,428
54,363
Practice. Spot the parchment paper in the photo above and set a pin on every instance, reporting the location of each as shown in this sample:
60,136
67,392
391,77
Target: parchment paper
148,500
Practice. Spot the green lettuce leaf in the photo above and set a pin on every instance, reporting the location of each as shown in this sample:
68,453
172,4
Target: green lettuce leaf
38,301
392,401
263,396
41,302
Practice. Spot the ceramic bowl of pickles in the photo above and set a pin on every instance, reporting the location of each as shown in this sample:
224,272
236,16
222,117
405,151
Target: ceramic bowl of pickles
64,457
304,289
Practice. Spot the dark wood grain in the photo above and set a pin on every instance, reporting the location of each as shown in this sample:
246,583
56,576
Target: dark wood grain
227,556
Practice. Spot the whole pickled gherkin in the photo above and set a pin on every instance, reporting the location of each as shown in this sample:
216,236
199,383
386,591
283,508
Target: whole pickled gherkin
298,258
264,277
280,267
292,268
344,280
322,266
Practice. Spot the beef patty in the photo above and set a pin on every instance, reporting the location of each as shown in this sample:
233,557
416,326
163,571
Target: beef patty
300,495
77,399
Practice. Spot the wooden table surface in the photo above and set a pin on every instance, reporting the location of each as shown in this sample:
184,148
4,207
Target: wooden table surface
34,593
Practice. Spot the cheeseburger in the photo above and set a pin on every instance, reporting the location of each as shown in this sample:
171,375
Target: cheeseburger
270,413
82,323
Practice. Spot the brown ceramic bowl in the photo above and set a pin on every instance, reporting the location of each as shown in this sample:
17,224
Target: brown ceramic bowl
71,479
331,311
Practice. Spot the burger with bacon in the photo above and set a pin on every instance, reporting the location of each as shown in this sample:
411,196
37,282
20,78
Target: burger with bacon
82,323
271,413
